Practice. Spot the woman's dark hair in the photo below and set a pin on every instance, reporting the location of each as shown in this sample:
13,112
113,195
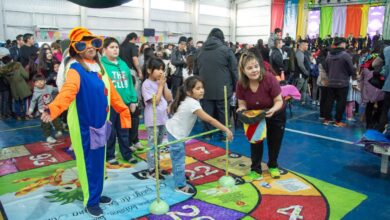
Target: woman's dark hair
188,85
56,46
128,38
322,56
141,50
190,64
155,63
44,65
108,41
259,57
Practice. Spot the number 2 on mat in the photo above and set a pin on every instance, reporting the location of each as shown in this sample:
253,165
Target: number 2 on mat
40,159
194,212
207,172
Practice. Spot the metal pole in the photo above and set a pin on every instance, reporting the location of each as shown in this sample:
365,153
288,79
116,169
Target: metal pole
227,125
156,149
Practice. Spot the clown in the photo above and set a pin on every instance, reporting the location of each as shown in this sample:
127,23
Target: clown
88,93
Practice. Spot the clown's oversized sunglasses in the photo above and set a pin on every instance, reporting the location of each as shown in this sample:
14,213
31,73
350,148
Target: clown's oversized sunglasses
81,46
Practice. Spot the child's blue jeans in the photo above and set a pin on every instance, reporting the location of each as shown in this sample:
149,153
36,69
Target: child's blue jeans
178,154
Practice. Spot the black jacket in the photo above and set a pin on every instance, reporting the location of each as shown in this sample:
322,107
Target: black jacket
15,53
25,53
339,68
177,59
127,52
276,60
217,66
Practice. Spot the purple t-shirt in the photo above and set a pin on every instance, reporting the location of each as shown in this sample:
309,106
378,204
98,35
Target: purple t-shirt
263,98
149,88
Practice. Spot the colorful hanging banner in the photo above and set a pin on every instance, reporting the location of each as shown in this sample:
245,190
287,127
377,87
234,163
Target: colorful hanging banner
313,26
290,17
364,21
57,35
386,29
354,16
339,18
302,19
156,38
43,35
376,17
50,34
64,36
326,21
277,13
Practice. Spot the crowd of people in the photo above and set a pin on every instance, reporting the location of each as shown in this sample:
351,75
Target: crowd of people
99,88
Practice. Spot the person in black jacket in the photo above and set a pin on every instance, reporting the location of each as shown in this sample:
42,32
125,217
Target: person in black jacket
216,64
178,59
27,49
302,69
15,50
276,58
129,53
339,69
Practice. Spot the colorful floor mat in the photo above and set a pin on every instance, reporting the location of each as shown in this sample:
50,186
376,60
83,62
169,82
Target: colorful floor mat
39,181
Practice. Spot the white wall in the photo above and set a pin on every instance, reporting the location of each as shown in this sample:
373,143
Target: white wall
213,14
253,21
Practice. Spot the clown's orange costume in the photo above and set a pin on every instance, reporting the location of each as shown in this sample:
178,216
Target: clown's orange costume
89,93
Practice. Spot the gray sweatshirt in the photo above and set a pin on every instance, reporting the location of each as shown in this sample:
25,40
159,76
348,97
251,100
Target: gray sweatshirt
42,97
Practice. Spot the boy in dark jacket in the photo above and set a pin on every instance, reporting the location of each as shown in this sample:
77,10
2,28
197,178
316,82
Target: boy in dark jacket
339,69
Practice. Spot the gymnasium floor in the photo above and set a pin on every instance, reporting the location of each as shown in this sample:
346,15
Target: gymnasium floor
309,148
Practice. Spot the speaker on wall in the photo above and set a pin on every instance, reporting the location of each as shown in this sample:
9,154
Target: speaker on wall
149,32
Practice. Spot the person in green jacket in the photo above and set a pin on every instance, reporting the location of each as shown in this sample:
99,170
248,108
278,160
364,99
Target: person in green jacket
17,77
120,75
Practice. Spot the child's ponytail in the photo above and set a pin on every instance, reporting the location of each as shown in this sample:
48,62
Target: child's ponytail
181,94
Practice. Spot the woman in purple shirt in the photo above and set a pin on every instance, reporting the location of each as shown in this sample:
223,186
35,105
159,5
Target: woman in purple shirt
259,90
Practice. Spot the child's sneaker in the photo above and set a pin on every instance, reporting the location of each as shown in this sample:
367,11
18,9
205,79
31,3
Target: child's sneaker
133,160
252,176
105,200
188,190
351,119
94,211
275,173
326,122
138,146
165,172
339,124
58,134
113,162
152,174
51,140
